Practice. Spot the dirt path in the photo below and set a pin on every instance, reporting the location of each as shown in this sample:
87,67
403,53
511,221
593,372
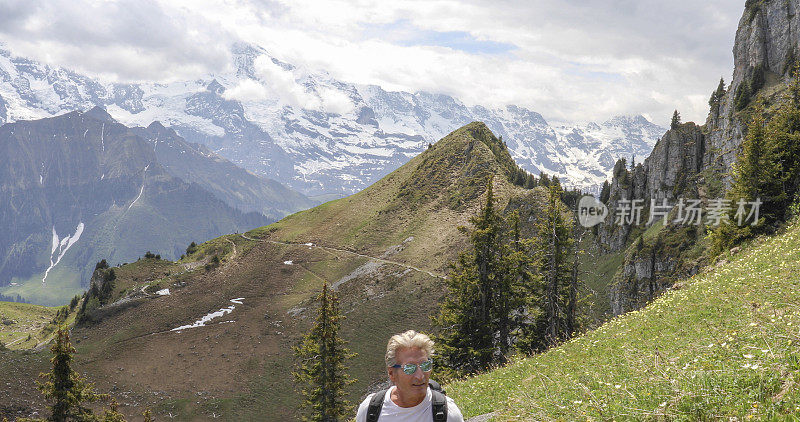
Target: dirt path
233,255
328,248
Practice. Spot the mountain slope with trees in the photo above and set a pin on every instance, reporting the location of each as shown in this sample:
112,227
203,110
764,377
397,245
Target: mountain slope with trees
720,344
385,251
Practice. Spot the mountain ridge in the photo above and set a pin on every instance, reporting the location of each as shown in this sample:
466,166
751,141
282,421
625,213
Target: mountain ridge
82,187
348,136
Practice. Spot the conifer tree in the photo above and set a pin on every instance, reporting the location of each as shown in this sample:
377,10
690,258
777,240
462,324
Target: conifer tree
750,167
758,78
742,96
67,392
467,343
716,98
481,312
783,131
605,192
544,180
676,120
556,247
321,357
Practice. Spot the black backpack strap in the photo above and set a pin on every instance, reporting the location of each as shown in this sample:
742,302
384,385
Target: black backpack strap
435,386
375,405
439,406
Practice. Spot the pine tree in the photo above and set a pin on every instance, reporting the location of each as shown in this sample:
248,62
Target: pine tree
64,388
321,357
480,313
544,180
517,281
716,98
676,120
783,132
758,78
556,247
574,282
467,342
750,167
742,96
605,192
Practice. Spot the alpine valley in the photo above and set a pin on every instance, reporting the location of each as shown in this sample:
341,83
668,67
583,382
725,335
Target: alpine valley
80,187
202,133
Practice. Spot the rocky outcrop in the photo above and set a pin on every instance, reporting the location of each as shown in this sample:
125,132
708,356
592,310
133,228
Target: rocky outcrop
767,42
675,162
673,170
694,162
642,278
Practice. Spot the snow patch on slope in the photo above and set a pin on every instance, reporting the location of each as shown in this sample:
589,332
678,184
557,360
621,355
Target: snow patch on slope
60,247
211,315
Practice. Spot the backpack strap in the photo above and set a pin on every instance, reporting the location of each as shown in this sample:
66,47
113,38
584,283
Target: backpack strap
375,405
439,406
435,386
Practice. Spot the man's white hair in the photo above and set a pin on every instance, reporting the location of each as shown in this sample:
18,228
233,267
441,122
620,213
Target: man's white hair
407,340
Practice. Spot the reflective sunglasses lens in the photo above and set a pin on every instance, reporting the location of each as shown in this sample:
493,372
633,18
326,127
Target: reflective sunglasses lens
426,366
409,368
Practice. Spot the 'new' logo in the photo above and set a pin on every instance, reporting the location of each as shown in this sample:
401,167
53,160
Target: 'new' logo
591,211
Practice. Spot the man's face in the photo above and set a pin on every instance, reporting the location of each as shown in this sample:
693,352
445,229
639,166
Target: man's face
416,384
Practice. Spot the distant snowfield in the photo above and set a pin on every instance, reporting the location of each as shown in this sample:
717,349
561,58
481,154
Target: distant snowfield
338,136
60,247
211,315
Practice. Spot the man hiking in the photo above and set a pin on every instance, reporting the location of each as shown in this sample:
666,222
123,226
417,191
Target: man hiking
413,397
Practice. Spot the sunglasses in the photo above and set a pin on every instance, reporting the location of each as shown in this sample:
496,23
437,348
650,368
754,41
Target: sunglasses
411,368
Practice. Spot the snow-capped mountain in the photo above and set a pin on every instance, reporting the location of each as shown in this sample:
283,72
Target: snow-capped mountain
314,133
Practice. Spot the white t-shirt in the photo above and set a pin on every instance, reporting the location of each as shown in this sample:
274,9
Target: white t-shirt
390,412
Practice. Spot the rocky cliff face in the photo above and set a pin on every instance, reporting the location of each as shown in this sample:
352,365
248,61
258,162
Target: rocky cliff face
693,161
768,41
674,170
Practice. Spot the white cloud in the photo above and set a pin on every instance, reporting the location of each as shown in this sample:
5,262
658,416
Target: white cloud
247,90
583,60
283,84
335,101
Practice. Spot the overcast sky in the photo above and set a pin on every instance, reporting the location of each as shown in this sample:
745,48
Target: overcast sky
568,60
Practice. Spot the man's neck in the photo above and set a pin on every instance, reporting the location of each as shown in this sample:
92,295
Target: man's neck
406,401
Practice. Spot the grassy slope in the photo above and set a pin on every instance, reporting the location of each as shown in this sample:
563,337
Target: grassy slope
20,320
724,344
